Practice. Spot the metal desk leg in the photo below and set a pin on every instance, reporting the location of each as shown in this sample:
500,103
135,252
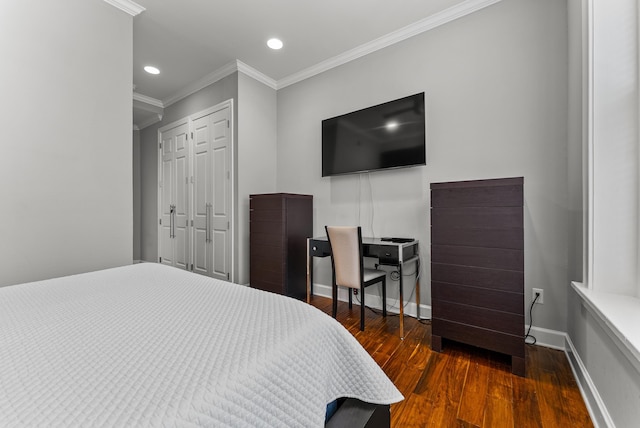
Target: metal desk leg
309,273
417,289
401,304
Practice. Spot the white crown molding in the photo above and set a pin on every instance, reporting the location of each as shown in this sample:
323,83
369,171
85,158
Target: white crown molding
426,24
153,119
465,8
207,80
217,75
127,6
147,100
257,75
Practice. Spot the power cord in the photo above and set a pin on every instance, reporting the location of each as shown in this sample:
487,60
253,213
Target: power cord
394,276
531,322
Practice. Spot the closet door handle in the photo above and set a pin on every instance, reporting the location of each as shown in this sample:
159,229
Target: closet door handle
208,214
172,221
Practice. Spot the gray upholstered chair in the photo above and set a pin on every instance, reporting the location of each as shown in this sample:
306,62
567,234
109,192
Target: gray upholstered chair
348,267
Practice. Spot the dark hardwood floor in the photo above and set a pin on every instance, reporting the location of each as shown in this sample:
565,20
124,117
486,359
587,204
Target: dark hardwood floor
465,386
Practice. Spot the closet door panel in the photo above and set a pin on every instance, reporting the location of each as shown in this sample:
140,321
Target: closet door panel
220,197
181,201
201,189
174,239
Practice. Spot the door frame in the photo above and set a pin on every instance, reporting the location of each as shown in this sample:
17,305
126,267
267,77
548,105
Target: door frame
231,182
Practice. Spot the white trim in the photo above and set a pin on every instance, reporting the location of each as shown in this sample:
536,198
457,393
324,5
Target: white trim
611,312
215,76
257,75
426,24
147,100
232,184
207,80
374,301
153,119
548,338
595,406
127,6
544,337
589,203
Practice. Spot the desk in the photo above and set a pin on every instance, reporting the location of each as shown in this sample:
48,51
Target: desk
388,254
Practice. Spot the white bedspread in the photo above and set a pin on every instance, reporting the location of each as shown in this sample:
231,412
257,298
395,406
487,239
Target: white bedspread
149,345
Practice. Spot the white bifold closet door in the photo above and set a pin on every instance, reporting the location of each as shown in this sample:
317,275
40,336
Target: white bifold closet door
211,196
174,197
195,193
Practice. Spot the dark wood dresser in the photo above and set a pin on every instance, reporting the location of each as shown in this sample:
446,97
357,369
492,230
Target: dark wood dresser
477,266
279,225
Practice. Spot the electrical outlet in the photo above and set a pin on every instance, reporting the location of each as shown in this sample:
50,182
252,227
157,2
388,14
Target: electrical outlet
539,291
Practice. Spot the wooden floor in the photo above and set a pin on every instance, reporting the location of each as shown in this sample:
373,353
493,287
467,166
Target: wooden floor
465,386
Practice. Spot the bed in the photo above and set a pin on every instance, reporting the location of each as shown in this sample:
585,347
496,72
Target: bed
151,345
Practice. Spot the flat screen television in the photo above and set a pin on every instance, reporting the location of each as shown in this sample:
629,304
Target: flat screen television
388,135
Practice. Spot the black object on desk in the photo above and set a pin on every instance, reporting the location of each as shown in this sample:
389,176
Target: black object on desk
388,253
398,240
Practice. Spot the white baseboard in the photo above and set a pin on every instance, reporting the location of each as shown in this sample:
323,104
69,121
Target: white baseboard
544,337
548,338
597,410
375,301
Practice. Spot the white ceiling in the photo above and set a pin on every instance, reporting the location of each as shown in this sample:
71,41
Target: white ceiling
191,39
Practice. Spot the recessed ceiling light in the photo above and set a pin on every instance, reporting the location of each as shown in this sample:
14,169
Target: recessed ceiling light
151,69
274,43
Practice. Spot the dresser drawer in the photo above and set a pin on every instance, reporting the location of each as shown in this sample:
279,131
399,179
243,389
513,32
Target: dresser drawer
260,265
271,216
510,238
272,286
493,279
480,337
266,203
265,236
479,297
481,193
490,319
491,258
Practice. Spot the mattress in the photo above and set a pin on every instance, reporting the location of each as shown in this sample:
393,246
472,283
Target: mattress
151,345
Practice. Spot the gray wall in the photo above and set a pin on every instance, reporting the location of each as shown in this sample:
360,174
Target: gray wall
496,85
66,171
256,165
137,196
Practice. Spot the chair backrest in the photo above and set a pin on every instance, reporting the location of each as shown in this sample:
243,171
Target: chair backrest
346,255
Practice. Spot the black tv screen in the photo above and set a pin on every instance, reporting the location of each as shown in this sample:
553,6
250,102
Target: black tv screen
388,135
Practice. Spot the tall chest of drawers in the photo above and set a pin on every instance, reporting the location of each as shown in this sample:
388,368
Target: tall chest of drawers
477,265
279,225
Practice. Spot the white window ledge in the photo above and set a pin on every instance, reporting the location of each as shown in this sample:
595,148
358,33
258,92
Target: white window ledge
619,316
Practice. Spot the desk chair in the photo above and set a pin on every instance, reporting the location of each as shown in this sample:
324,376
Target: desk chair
348,267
